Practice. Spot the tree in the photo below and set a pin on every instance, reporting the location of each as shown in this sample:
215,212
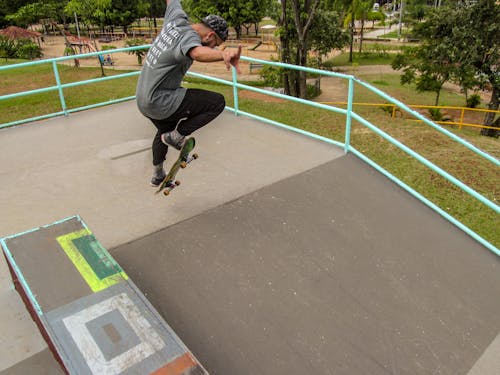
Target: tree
236,12
295,23
326,34
10,7
125,12
140,53
433,62
90,11
156,10
362,14
477,38
305,27
460,44
34,12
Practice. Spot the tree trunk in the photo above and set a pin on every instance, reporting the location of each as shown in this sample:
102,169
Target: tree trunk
238,32
352,40
438,94
285,47
361,35
302,76
489,119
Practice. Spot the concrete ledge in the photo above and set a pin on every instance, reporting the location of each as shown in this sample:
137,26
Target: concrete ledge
92,316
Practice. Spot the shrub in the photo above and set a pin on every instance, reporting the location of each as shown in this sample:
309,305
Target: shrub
473,101
438,116
26,49
7,47
140,53
272,75
107,47
20,48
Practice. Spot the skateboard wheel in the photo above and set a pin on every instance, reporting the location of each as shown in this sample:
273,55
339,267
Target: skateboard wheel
166,192
183,164
177,182
195,156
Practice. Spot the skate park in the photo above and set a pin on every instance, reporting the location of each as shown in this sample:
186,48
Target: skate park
278,254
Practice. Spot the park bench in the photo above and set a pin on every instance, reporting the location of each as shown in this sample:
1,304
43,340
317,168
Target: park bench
255,66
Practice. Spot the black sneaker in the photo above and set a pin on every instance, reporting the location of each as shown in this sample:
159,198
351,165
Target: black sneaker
157,180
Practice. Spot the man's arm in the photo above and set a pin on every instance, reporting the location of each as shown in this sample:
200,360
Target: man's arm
206,54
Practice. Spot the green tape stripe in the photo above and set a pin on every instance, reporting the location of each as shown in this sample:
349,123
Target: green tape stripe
92,260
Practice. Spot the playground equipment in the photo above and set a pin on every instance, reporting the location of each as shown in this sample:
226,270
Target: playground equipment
256,46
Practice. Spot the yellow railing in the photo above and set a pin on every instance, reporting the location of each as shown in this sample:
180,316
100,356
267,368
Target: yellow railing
461,113
144,31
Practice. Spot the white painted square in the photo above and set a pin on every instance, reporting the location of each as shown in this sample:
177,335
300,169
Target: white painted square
151,342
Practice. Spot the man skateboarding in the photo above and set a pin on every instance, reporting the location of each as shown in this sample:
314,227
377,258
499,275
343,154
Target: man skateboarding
176,111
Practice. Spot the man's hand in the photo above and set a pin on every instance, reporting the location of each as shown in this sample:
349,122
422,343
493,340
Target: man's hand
232,57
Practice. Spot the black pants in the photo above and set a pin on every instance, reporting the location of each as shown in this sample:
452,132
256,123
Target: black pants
198,108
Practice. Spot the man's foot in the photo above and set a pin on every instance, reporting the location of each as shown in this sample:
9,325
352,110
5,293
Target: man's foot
174,139
156,180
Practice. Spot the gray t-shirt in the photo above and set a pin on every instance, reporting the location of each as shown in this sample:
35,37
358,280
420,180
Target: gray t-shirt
159,92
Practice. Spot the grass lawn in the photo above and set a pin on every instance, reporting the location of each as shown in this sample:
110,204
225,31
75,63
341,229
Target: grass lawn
457,160
361,59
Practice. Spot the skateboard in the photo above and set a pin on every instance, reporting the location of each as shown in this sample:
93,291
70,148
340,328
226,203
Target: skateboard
169,182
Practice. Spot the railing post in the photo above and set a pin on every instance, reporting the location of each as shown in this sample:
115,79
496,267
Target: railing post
59,88
350,96
235,90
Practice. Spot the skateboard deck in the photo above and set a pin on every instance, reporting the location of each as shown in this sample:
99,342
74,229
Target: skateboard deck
169,182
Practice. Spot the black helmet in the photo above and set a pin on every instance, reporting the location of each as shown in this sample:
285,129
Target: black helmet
217,24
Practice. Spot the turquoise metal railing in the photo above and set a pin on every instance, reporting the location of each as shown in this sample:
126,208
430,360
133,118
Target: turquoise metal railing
348,113
60,86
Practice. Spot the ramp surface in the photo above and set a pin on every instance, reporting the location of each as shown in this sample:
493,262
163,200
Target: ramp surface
97,164
331,271
277,255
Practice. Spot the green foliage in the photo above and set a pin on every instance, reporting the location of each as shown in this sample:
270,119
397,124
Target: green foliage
140,53
272,75
473,101
459,44
326,33
68,51
107,47
438,116
32,13
313,91
125,12
90,11
7,48
27,49
430,64
236,12
20,48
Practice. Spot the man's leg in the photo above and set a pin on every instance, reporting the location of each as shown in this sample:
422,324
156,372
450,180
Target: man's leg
160,150
198,108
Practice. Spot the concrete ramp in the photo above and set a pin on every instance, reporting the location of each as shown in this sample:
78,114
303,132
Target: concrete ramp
332,271
277,255
97,164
